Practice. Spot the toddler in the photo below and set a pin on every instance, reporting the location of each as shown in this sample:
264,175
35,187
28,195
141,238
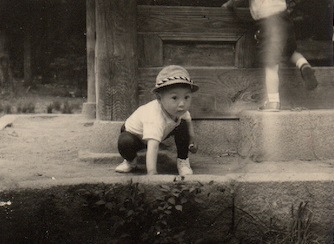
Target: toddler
153,122
276,40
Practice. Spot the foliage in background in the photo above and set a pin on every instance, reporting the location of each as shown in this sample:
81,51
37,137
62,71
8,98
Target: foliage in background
5,108
29,106
26,108
58,40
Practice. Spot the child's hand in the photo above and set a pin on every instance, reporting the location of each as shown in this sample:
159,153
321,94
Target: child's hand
193,148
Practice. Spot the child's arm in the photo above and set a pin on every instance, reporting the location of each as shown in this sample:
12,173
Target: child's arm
192,144
152,156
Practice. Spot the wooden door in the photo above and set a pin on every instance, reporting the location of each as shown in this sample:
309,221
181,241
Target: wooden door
218,49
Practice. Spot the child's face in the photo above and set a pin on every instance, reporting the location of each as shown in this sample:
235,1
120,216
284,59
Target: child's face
176,101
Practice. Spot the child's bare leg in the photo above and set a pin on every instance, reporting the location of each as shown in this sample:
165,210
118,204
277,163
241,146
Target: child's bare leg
296,56
272,83
306,70
272,104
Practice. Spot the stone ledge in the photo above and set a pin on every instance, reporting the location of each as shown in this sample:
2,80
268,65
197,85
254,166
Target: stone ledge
214,137
283,136
259,193
116,158
287,135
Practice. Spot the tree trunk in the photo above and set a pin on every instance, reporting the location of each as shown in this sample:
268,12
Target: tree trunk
6,78
27,57
116,59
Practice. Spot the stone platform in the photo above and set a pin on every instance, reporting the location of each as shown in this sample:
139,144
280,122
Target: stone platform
263,189
287,135
261,136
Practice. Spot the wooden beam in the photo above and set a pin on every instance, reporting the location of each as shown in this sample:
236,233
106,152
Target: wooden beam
215,23
116,58
224,92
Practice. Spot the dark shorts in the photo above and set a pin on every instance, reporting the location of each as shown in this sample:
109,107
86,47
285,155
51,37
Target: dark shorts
129,144
275,38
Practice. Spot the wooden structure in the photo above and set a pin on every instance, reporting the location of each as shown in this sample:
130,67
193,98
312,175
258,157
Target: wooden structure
89,108
216,46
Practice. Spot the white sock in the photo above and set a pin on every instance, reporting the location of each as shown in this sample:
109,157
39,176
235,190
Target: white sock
300,62
273,97
272,83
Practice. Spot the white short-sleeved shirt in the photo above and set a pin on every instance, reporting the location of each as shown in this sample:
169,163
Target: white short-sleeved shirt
149,121
264,8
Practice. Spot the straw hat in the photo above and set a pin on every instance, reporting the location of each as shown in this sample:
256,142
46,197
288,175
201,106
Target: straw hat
173,74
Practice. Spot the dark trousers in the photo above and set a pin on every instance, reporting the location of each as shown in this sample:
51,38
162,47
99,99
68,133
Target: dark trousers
129,144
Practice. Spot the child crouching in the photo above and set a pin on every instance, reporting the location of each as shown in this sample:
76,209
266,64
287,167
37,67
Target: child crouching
155,121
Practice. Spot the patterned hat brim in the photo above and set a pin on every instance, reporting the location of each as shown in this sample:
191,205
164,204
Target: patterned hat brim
192,86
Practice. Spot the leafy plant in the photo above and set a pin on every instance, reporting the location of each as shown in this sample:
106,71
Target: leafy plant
26,108
134,216
170,212
67,108
298,231
167,216
8,109
56,105
124,206
49,108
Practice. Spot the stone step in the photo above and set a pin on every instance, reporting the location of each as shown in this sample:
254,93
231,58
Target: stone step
287,135
261,136
265,190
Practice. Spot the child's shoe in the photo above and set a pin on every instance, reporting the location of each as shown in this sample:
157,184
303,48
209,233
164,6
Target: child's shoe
183,166
126,166
308,76
270,106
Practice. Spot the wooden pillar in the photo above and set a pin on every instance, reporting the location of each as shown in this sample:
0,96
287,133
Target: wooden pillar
89,108
116,59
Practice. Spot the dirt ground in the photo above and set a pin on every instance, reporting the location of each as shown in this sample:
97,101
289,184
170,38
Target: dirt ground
44,149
